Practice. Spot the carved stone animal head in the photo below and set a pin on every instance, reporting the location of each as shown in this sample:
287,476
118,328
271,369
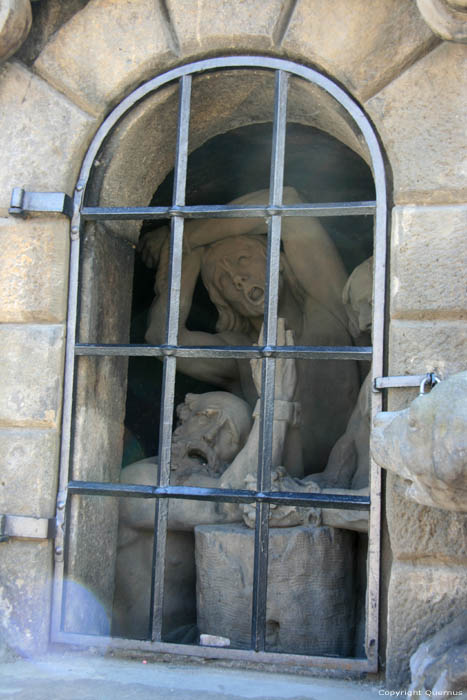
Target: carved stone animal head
426,444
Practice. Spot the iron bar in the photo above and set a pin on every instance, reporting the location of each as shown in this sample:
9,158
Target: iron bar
180,212
171,338
302,352
240,655
195,493
260,566
25,202
228,211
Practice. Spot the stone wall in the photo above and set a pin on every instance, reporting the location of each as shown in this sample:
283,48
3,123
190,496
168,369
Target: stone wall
54,95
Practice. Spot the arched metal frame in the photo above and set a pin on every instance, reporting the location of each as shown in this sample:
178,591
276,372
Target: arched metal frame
170,350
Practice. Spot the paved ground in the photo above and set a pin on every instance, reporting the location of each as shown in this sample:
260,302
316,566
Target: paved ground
71,676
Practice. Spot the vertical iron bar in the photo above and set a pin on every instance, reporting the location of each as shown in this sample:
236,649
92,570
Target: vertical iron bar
260,571
170,363
65,445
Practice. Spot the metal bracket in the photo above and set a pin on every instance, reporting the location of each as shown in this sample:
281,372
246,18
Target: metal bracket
406,380
23,202
26,527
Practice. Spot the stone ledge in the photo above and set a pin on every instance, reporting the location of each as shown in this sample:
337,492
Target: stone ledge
105,51
33,270
43,136
29,460
428,262
32,364
361,48
420,118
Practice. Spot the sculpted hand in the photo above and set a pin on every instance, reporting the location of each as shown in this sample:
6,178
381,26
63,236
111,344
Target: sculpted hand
150,246
286,373
286,515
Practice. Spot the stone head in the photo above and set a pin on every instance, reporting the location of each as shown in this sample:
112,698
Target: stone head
234,273
357,297
212,429
426,444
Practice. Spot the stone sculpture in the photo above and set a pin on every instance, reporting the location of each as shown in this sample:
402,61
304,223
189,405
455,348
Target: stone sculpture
348,467
215,445
230,254
439,665
426,444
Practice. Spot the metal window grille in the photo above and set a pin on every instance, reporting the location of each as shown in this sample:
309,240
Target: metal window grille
171,350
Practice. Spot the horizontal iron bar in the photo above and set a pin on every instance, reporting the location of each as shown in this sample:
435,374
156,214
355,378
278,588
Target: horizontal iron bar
229,211
405,380
303,352
24,202
321,500
26,526
356,665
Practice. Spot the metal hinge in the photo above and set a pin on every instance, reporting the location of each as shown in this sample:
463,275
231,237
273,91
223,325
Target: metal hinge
23,202
422,381
26,527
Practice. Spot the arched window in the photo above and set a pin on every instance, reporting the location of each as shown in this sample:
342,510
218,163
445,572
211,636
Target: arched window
272,182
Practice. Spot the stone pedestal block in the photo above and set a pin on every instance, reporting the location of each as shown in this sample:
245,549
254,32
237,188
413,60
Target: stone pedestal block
310,603
33,270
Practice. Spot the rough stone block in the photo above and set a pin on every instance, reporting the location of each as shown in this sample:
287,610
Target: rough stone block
106,50
25,590
428,262
416,347
43,136
310,600
417,532
362,47
422,599
220,24
29,460
33,270
420,117
32,370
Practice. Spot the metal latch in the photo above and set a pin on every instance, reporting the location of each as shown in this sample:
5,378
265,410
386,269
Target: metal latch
423,381
24,202
26,527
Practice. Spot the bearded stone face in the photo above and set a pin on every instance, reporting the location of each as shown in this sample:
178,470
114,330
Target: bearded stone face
209,435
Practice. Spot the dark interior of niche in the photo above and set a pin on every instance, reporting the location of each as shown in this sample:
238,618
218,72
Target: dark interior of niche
319,166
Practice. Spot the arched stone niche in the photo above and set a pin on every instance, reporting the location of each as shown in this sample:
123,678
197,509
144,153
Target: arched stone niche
140,152
133,162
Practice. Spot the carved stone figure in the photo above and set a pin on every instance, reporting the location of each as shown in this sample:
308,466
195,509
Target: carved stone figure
440,664
15,23
348,467
426,444
230,254
215,445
